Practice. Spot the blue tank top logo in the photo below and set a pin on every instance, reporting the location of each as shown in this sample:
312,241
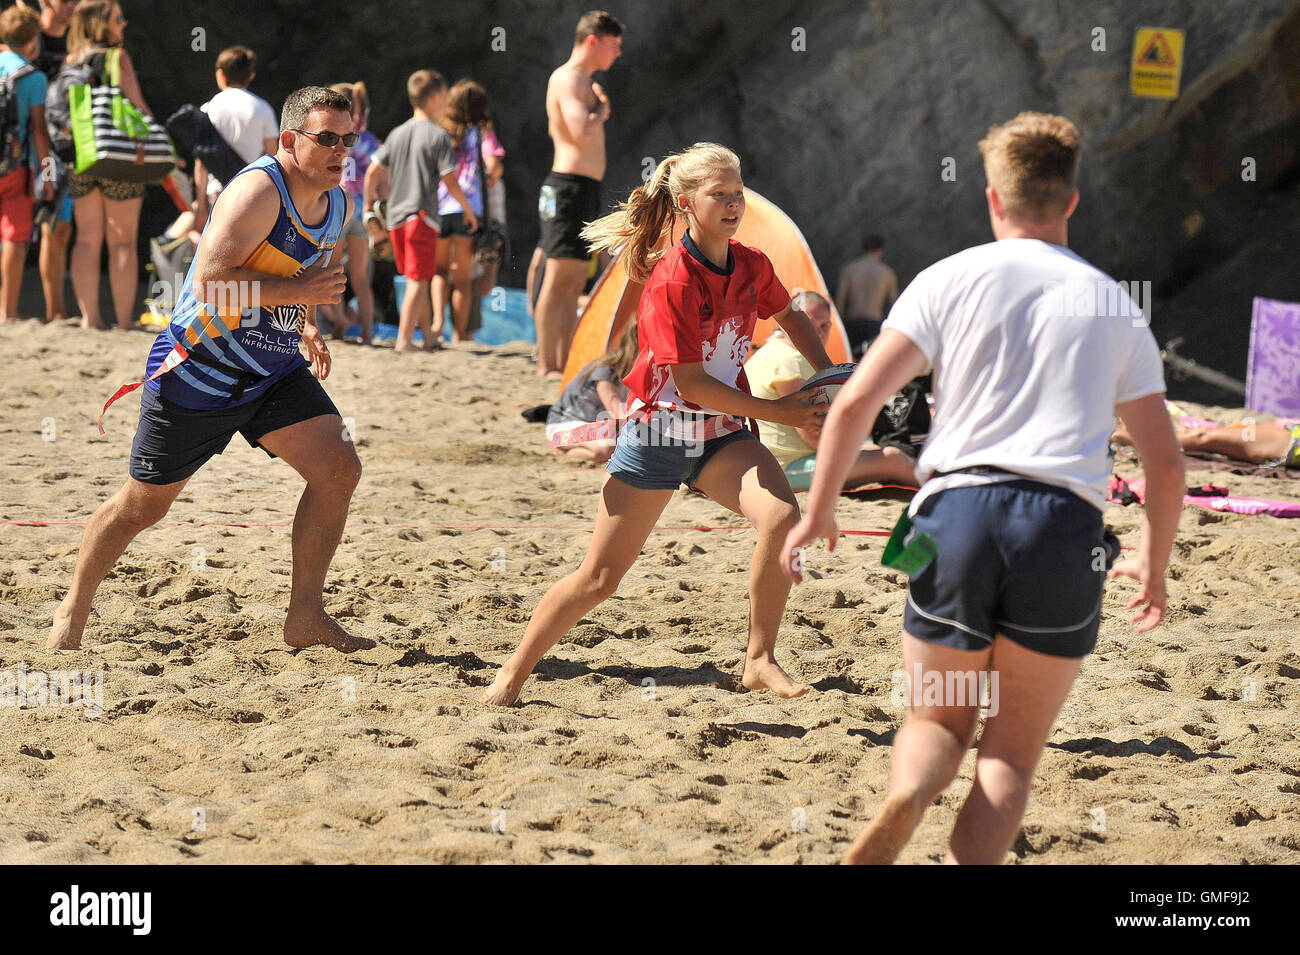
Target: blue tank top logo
288,318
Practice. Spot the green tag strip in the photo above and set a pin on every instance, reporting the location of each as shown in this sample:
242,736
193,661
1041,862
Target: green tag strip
911,553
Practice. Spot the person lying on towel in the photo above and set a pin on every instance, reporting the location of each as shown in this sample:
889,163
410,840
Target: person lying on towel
1269,443
583,422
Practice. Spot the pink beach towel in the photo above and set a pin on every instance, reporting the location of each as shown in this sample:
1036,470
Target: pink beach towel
1214,502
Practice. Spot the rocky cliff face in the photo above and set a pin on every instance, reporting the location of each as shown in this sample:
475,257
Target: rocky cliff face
844,113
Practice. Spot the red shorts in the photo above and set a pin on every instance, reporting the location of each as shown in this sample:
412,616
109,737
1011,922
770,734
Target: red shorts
415,248
16,205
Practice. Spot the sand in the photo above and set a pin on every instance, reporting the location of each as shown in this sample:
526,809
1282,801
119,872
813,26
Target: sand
217,743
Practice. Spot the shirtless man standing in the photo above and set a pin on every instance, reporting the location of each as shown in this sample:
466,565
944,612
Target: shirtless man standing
868,287
576,111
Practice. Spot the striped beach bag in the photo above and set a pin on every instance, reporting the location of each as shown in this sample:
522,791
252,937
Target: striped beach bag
113,139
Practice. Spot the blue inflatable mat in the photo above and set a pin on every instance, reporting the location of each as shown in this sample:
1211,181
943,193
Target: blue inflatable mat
504,311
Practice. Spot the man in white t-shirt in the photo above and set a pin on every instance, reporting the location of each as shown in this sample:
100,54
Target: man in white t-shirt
245,121
1033,352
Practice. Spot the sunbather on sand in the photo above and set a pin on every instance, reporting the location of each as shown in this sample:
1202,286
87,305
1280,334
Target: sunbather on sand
1257,442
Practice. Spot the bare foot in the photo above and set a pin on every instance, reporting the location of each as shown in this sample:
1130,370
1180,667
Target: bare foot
766,673
320,629
66,632
885,836
504,690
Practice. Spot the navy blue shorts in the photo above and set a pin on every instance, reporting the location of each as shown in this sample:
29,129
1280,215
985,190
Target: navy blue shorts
644,458
172,442
1020,558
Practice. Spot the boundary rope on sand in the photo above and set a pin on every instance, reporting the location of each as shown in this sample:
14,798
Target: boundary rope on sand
369,525
433,527
448,527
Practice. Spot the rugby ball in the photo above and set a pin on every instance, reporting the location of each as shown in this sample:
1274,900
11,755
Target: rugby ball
829,381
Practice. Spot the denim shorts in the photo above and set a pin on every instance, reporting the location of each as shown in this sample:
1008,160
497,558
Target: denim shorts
1021,558
644,458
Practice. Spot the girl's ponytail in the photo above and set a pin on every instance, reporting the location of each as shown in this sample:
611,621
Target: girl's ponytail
638,224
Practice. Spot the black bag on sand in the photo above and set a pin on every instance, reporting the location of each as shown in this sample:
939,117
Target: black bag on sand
905,419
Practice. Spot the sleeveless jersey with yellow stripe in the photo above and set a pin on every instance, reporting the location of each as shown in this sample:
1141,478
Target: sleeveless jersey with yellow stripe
238,348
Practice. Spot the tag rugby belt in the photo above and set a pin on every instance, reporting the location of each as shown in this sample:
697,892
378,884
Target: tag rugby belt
177,355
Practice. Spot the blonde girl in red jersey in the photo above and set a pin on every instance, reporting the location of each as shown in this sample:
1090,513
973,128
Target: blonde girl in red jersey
688,404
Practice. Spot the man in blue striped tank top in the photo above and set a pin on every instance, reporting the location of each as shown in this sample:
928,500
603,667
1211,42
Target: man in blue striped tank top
230,362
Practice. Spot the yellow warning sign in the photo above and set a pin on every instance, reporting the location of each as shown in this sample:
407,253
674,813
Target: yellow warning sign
1157,62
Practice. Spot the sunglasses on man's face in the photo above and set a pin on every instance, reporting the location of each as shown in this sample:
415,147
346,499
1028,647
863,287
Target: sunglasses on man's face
328,138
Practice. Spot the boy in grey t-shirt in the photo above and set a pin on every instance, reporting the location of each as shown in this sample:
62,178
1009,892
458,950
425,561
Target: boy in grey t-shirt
407,168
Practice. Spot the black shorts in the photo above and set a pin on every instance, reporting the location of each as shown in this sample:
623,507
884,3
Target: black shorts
453,223
172,442
861,332
567,203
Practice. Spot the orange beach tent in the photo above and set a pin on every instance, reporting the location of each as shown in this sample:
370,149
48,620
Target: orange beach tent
614,299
